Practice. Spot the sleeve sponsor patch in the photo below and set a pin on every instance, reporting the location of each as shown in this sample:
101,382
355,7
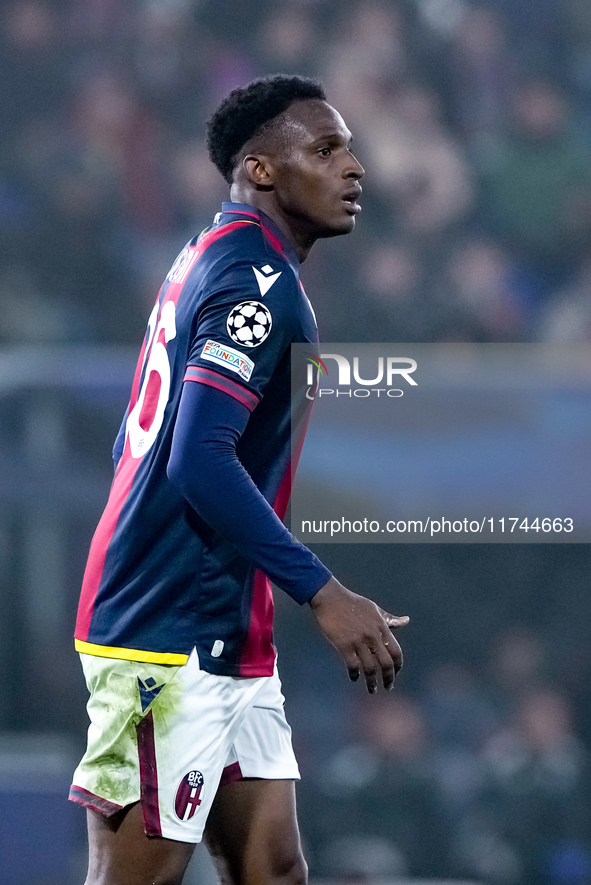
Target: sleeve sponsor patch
228,357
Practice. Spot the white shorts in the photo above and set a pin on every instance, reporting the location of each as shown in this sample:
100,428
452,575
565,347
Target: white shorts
170,736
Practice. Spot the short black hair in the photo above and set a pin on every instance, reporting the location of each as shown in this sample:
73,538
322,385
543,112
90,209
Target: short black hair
246,111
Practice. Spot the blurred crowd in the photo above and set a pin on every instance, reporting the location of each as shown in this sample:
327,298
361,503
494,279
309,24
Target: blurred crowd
477,766
473,120
478,774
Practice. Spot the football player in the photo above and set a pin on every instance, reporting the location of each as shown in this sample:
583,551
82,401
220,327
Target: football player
188,738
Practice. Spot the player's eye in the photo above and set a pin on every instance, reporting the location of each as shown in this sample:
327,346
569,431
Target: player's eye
325,152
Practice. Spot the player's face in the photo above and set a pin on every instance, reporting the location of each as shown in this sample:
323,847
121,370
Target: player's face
316,184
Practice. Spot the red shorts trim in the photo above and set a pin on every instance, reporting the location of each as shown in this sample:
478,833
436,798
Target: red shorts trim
148,775
230,774
89,800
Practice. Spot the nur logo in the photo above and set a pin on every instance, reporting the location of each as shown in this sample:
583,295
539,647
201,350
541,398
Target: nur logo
389,370
315,362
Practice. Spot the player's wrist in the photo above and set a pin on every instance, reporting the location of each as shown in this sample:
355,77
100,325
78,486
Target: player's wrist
328,591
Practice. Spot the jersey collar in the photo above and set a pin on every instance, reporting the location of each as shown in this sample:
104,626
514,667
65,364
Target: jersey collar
275,236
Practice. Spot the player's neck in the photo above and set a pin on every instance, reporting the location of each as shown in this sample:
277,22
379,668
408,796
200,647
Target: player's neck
300,241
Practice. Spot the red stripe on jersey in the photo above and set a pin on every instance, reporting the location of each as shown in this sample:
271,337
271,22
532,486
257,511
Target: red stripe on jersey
102,538
211,383
148,775
135,387
240,212
128,466
275,241
220,382
172,294
150,403
124,477
213,235
258,653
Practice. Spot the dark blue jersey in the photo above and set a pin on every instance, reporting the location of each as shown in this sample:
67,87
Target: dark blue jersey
191,532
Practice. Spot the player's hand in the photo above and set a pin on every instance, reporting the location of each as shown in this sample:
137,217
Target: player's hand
361,631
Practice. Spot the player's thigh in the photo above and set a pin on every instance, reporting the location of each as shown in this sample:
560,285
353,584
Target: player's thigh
252,834
120,852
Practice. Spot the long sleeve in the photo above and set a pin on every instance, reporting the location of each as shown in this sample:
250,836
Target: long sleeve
205,469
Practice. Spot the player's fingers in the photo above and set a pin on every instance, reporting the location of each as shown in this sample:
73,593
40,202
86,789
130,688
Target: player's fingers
386,666
352,663
394,621
393,649
369,666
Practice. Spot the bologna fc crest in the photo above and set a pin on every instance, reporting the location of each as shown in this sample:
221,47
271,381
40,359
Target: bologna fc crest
187,796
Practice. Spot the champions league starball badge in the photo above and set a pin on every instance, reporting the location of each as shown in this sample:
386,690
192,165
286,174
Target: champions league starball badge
249,323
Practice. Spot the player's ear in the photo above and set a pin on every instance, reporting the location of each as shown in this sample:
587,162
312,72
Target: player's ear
258,170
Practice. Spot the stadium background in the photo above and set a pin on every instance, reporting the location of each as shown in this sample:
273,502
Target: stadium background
474,123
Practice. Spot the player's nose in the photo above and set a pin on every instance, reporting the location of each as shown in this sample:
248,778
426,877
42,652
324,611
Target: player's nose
353,168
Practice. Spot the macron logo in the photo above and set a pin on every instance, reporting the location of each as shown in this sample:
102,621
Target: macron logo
265,277
148,691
